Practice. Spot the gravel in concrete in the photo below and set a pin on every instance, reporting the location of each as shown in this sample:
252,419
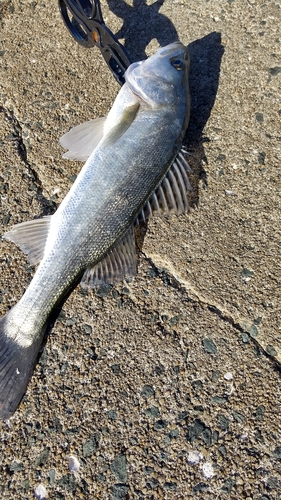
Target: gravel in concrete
167,387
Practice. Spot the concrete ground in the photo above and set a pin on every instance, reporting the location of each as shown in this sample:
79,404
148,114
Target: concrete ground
167,387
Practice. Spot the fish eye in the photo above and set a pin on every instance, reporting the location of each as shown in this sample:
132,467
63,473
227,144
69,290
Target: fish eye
178,64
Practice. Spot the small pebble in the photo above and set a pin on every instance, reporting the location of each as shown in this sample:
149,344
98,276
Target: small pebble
228,376
73,464
208,470
228,192
40,492
194,457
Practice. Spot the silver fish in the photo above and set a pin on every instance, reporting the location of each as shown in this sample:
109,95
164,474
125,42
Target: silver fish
134,167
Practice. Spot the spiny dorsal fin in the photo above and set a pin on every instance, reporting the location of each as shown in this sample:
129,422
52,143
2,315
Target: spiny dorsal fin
119,263
30,237
171,195
83,139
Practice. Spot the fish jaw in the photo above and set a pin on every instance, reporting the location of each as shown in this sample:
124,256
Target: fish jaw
162,79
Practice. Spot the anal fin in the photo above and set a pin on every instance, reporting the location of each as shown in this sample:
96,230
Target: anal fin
119,263
30,237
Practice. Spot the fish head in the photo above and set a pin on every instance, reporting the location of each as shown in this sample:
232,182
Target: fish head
162,78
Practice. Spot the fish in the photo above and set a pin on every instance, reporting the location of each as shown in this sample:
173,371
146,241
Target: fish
134,167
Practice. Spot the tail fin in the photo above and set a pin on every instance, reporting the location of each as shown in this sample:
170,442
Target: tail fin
16,367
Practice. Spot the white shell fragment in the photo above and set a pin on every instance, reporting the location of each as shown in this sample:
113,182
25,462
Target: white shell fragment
228,376
208,470
73,464
40,492
194,457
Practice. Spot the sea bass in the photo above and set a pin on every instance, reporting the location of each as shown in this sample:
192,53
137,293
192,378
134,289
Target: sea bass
134,167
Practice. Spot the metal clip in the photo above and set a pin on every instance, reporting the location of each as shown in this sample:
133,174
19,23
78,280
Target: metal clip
84,20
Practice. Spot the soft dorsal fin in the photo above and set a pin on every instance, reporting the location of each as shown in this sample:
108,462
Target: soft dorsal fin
171,195
31,237
83,139
119,263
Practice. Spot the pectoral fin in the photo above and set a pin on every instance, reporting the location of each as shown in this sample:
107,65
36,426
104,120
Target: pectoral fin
83,139
119,263
124,121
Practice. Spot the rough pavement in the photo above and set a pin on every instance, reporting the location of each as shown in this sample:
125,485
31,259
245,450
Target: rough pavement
167,387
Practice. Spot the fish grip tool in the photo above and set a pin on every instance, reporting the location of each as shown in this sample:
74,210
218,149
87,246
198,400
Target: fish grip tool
84,20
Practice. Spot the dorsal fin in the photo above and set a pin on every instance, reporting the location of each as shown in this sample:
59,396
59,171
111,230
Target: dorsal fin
31,237
171,195
119,263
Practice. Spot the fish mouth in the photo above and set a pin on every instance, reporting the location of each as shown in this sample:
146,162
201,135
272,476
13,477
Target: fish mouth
135,73
169,49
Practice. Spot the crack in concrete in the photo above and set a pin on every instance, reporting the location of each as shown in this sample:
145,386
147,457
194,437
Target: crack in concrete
18,139
17,133
163,265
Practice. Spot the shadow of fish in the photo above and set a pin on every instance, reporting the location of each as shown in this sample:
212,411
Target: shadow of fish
134,167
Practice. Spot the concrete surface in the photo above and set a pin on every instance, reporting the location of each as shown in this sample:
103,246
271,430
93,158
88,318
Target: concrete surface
167,387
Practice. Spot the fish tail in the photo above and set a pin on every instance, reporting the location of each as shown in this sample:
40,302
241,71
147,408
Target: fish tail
16,367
